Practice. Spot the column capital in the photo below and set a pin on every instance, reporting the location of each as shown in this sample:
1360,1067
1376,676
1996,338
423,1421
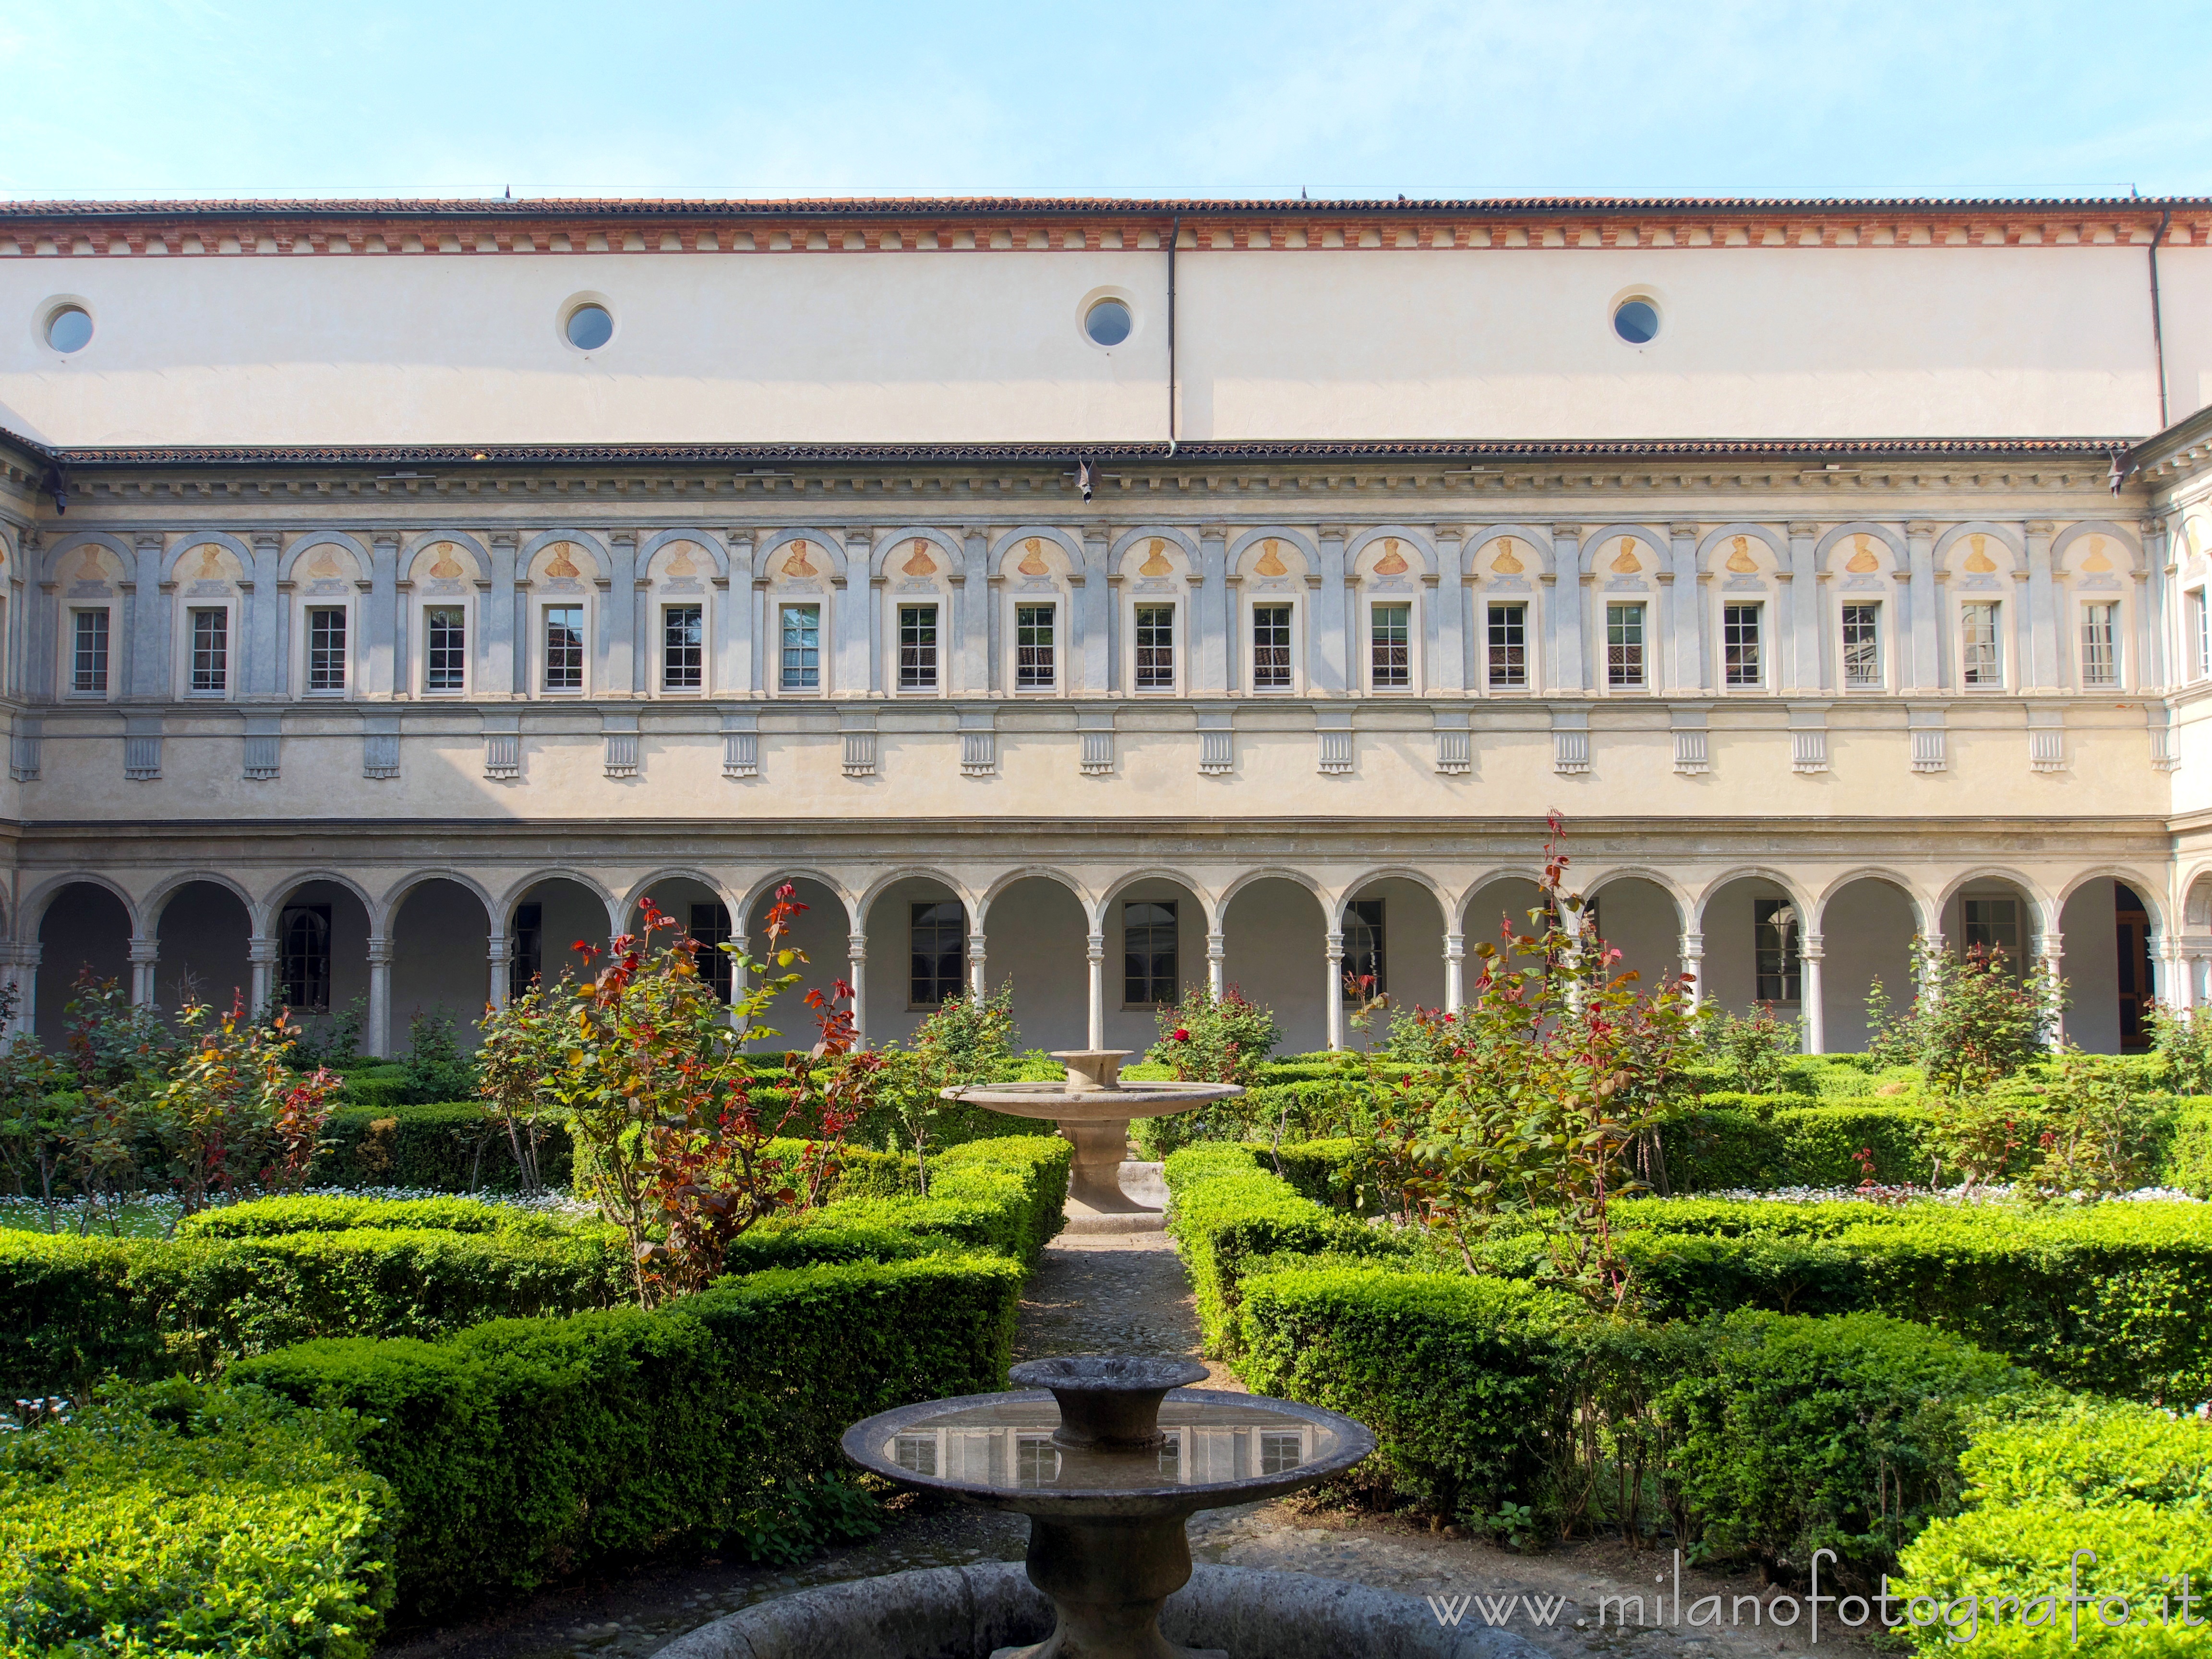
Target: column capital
1336,946
1456,946
379,950
856,946
500,948
1094,947
1811,946
1693,945
260,948
144,952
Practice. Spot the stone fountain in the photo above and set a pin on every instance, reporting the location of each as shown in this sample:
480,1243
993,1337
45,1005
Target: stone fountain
1108,1456
1093,1109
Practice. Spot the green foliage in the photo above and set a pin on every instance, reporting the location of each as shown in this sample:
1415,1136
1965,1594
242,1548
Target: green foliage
449,1146
964,1040
1210,1039
1753,1048
436,1067
2187,1162
2131,1484
1423,1037
268,1218
2182,1038
2097,1137
1794,1434
178,1522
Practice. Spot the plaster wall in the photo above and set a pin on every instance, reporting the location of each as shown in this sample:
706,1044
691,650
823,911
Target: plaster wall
440,966
1034,936
1867,930
202,933
86,928
2090,926
1276,957
1639,919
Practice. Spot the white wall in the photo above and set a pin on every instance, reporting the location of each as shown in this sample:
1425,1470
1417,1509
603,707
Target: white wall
1277,957
1867,932
1034,935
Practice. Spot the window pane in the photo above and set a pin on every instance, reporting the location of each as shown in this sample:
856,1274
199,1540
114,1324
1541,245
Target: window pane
802,647
1979,661
1148,951
1390,634
1155,647
1270,647
446,649
528,962
1033,647
1362,950
1992,924
305,935
88,666
210,650
1624,645
1780,970
917,648
1862,644
2100,646
1508,646
326,648
710,925
564,647
683,647
1739,643
941,937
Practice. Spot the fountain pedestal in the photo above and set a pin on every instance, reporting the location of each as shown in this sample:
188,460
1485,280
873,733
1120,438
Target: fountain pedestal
1109,1457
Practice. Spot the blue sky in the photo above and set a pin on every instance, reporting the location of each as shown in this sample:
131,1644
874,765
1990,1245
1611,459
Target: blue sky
198,97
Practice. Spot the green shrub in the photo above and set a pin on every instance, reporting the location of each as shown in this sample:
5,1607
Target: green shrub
1755,1141
450,1147
1226,1211
1793,1434
2131,1484
2189,1148
264,1218
520,1451
178,1522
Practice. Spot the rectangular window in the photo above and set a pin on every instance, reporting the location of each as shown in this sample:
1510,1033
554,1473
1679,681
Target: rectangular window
305,938
709,924
1740,644
446,648
940,945
682,647
326,648
88,655
2100,644
1774,944
1033,649
2201,631
1509,648
1980,662
528,961
1148,954
802,647
1862,646
210,651
1390,631
1155,648
917,648
564,647
1992,924
1362,950
1270,647
1624,646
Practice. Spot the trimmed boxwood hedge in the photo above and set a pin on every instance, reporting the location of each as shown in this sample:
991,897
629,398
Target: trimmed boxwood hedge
450,1147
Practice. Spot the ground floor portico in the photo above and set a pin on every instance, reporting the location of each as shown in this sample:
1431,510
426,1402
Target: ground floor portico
1096,923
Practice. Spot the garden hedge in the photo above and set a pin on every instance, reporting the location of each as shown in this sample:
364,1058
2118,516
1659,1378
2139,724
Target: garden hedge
451,1146
179,1521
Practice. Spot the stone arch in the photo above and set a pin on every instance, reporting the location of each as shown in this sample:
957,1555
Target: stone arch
1155,532
1272,872
764,551
767,884
2008,538
712,545
412,555
2196,898
502,910
1531,873
1693,918
956,556
2150,891
1478,539
49,557
1594,542
639,889
1674,889
2129,540
2046,913
272,899
1825,550
199,538
1710,545
1922,909
1333,908
32,910
1007,545
864,906
1031,872
1214,909
1419,541
157,900
383,910
306,544
1244,542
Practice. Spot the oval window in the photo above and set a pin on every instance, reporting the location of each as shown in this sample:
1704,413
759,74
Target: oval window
1636,321
590,328
69,328
1107,323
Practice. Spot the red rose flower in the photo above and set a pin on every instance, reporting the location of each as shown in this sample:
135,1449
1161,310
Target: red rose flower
1181,1035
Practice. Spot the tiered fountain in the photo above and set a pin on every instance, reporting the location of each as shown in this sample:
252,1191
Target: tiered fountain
1093,1109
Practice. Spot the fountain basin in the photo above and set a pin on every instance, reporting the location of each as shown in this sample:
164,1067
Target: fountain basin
1093,1109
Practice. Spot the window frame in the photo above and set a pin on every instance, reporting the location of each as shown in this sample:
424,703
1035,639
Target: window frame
1996,679
1491,611
313,915
936,608
785,684
1032,688
1641,609
1373,918
1991,931
2113,677
1743,667
1410,682
916,910
107,687
1150,929
543,648
1789,972
422,659
2197,619
1291,656
188,661
1880,680
698,686
309,609
1138,667
711,931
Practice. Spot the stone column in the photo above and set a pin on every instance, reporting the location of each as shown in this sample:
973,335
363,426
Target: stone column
145,957
379,995
1810,950
2163,953
1455,972
1328,641
499,963
1447,618
1336,1004
856,966
1802,591
1688,671
976,983
2052,947
1217,955
1931,952
1693,965
1094,950
27,957
261,961
2043,644
738,1021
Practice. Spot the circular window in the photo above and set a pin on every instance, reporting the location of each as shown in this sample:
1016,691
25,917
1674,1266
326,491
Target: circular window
1108,323
589,327
1636,321
68,328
